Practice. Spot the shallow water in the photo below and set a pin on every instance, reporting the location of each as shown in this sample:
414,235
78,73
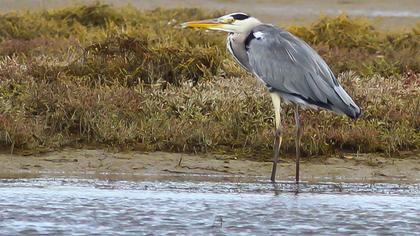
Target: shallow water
104,207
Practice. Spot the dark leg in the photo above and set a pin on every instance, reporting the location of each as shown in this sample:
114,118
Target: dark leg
297,141
277,144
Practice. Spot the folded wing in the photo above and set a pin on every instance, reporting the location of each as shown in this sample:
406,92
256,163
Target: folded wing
289,66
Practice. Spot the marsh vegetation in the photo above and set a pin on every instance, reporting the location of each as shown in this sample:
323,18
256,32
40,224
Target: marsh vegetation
131,79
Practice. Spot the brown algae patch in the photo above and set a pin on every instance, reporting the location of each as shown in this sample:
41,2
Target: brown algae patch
131,79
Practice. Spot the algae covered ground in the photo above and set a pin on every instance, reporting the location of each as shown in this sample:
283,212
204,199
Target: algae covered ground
131,79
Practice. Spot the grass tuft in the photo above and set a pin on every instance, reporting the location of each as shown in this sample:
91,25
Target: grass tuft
354,44
121,77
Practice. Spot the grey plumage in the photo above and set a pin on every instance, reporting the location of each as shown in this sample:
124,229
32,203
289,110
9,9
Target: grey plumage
290,67
238,50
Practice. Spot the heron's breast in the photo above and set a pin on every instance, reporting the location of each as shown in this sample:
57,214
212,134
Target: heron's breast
236,46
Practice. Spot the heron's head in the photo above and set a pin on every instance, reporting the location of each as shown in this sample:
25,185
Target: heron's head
232,23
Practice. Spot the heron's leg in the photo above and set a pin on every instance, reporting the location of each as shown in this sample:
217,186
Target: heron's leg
277,144
278,134
297,141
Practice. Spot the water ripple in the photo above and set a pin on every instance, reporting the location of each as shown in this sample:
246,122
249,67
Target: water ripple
74,206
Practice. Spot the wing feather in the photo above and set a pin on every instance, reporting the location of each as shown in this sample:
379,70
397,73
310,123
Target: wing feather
291,67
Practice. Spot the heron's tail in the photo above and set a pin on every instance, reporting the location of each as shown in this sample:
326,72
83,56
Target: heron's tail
353,112
348,106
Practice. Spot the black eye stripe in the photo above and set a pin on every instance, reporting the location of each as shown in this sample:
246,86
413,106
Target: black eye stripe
240,16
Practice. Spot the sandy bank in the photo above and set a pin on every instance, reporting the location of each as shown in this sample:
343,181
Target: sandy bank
129,165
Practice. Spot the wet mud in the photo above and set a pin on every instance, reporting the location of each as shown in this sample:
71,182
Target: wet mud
132,165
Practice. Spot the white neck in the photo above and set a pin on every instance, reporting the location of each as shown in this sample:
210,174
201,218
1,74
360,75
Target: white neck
245,26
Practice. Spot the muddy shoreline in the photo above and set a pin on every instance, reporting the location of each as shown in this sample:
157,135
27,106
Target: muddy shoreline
206,167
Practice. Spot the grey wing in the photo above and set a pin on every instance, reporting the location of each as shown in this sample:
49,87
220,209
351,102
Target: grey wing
291,67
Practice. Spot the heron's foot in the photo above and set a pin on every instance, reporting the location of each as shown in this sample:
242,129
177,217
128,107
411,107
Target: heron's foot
273,180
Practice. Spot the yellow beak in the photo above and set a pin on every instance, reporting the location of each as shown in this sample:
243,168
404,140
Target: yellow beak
210,23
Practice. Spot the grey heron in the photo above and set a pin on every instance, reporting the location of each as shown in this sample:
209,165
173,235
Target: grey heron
289,68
